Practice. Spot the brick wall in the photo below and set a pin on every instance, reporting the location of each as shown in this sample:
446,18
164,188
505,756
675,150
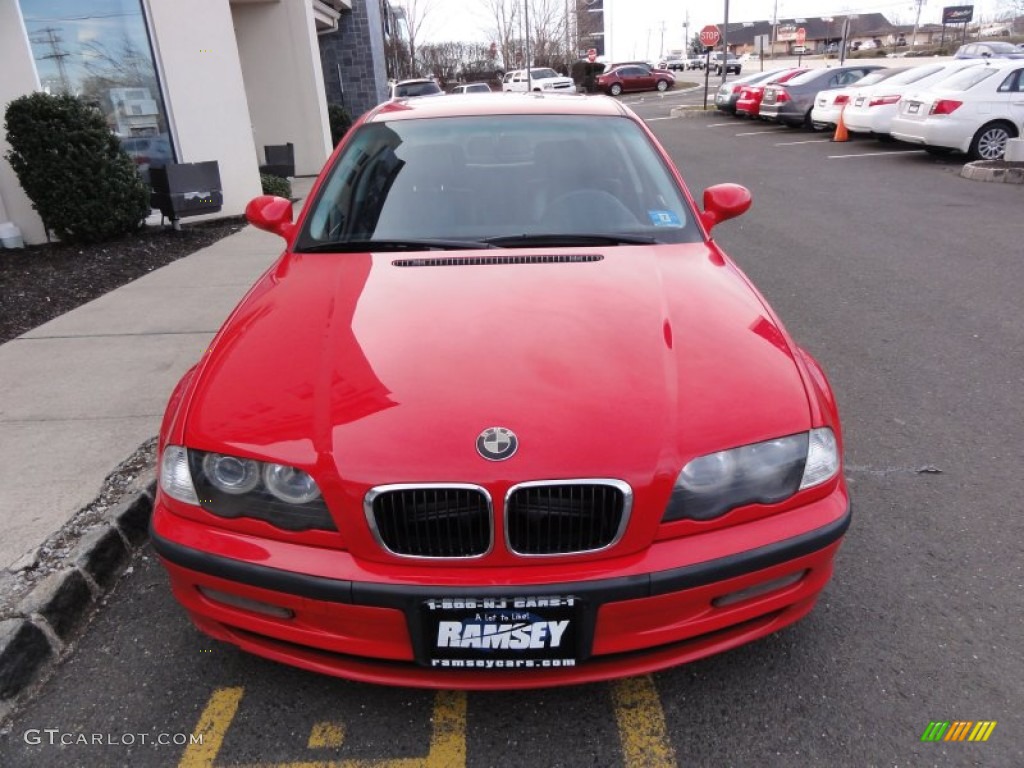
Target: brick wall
353,59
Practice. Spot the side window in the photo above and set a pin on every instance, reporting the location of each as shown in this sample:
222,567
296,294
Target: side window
833,81
1014,82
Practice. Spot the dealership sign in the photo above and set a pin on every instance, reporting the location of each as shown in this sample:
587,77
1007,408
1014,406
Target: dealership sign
957,14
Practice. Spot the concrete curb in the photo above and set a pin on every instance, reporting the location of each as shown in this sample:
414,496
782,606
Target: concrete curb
994,170
48,615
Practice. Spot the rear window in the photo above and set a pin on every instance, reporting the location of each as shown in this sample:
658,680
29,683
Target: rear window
416,89
479,177
809,76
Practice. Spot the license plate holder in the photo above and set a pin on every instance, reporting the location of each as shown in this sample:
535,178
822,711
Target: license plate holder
502,633
913,109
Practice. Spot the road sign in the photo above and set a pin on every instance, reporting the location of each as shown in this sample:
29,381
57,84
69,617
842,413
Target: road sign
591,55
801,35
709,36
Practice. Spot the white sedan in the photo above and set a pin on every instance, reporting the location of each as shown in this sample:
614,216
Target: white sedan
871,110
828,104
975,111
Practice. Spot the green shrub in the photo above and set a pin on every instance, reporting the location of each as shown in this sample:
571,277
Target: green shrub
275,185
340,121
81,182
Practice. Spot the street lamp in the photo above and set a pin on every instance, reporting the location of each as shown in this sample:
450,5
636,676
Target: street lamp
828,38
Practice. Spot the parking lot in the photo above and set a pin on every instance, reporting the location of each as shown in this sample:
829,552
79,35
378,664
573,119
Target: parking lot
903,279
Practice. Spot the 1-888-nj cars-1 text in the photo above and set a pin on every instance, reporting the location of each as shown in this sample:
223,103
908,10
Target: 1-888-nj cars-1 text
462,436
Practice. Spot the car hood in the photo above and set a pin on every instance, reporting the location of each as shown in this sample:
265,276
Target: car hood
620,367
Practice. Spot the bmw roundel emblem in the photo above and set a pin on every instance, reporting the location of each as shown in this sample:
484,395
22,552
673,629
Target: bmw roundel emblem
497,444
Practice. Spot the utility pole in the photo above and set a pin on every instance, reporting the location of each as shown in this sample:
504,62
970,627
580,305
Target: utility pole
775,27
529,73
661,50
917,22
58,55
725,43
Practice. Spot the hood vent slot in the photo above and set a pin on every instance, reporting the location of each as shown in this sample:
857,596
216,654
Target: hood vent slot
473,261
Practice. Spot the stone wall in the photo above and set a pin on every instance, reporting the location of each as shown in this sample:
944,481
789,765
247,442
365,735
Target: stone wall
353,59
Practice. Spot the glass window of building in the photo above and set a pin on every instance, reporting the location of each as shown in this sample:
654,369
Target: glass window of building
100,51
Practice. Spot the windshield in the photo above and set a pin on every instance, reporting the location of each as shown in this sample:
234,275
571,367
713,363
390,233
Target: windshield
476,178
1003,48
543,74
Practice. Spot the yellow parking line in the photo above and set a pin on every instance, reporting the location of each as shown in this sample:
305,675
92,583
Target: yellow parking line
641,722
447,738
326,735
212,725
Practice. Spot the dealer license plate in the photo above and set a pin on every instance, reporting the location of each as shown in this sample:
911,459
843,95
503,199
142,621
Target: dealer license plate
501,632
858,101
912,109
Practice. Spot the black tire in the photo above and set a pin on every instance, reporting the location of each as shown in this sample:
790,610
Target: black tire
615,89
808,123
989,143
662,85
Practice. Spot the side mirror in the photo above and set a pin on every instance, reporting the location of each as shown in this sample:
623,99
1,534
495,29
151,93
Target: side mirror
722,202
274,214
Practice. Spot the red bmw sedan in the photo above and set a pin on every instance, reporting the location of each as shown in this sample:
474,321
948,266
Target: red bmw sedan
503,414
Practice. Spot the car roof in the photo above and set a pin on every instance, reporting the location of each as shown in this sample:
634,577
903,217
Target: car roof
494,103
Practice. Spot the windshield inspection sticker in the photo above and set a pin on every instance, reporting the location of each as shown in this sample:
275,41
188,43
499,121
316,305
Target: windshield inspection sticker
665,219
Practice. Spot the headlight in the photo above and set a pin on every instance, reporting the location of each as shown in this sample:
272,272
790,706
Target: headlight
232,487
761,473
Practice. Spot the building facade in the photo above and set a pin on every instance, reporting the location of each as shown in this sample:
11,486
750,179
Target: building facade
192,80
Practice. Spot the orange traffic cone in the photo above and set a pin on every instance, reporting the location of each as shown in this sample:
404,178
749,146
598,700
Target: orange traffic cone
841,133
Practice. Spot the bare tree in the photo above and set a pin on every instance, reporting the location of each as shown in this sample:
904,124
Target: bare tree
505,15
416,12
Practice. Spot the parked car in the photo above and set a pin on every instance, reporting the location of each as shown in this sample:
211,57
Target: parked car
630,78
728,93
676,64
298,520
791,103
975,111
988,51
729,61
829,104
872,109
472,88
540,79
748,104
695,62
414,88
801,50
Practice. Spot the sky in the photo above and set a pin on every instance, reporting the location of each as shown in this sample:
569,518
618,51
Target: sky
635,25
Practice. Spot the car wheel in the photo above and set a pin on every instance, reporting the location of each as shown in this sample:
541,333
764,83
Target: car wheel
808,122
990,141
615,90
662,85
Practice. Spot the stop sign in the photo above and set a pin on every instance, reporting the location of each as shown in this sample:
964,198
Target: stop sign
709,36
801,35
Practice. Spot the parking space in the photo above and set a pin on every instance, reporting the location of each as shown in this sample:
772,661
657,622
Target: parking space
903,279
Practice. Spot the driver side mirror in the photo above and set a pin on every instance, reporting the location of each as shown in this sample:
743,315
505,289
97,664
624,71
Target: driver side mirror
274,214
723,202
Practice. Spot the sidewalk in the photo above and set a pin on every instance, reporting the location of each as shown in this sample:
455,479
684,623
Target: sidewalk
81,393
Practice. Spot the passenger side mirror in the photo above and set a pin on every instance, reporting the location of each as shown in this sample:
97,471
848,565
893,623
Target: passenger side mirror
274,214
722,202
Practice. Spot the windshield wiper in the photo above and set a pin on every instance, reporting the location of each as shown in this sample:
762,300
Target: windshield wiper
366,246
541,241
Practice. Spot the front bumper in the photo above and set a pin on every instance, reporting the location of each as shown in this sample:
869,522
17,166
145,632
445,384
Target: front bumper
364,623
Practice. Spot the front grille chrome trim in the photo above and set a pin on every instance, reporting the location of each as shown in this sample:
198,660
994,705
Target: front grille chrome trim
380,490
619,485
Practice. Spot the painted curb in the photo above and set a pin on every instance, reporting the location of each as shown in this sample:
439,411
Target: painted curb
47,617
697,112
